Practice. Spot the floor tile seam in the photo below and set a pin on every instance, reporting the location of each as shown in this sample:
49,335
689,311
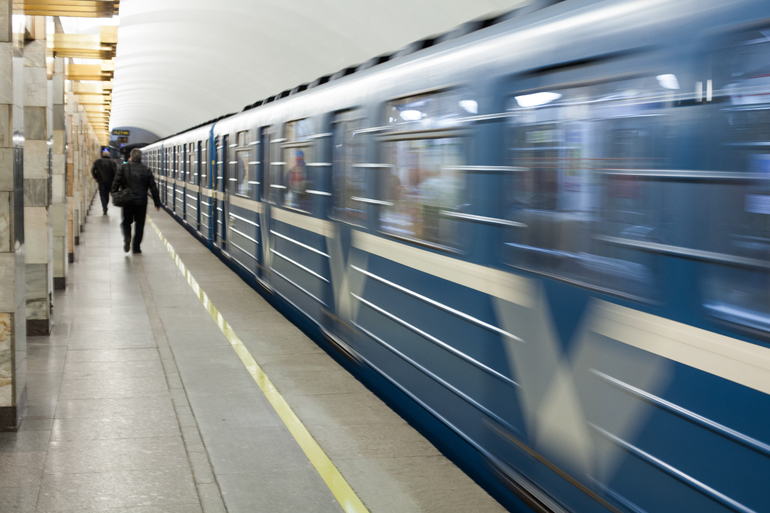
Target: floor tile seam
152,311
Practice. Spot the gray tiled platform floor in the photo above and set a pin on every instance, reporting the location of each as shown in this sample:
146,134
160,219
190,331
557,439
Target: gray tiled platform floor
137,402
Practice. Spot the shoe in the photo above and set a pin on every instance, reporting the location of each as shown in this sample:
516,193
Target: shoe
136,251
126,244
104,213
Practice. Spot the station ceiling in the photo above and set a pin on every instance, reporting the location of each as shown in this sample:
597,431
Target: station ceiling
182,62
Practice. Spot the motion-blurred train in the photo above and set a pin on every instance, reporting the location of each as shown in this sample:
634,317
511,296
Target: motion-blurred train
543,238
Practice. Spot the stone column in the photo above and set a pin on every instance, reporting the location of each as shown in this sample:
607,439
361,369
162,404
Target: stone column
37,229
72,127
59,178
13,327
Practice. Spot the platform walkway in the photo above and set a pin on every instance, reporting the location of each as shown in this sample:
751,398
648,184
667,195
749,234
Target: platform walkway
139,403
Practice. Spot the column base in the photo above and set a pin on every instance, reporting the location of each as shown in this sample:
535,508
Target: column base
60,283
8,419
38,327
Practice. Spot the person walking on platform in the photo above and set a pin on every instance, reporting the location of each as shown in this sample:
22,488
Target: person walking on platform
103,170
138,178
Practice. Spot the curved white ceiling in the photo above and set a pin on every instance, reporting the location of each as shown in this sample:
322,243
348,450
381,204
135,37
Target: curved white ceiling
182,62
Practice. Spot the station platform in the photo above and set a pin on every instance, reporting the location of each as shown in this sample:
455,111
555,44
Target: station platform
169,385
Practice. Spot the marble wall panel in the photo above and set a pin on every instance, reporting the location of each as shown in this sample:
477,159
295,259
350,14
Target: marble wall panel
36,193
6,72
6,219
7,282
35,123
6,169
59,256
6,360
36,281
57,91
34,53
19,270
37,309
58,119
58,194
18,80
35,87
6,125
36,235
6,32
35,159
19,326
59,138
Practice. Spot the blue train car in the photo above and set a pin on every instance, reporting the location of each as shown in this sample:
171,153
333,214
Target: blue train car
543,238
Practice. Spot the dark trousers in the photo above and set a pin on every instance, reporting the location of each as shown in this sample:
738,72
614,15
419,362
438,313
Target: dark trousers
104,193
134,214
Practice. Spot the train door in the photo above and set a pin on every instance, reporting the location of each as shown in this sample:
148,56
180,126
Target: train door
223,190
347,206
263,158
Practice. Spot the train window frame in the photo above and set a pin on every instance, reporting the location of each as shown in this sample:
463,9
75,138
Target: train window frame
241,149
337,120
192,162
203,166
306,144
734,284
394,133
593,75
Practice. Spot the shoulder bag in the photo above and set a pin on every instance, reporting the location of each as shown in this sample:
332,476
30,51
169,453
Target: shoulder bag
123,196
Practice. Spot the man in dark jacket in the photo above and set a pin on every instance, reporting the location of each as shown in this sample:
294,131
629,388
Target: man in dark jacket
136,177
103,170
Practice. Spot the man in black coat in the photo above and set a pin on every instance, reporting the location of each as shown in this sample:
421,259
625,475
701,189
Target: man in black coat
103,170
138,178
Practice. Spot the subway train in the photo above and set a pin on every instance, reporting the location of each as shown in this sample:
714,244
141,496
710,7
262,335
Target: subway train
543,238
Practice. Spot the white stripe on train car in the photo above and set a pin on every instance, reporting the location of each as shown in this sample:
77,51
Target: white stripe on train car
254,206
729,358
493,282
319,226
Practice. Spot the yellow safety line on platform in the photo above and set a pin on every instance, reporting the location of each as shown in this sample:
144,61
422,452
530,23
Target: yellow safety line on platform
329,473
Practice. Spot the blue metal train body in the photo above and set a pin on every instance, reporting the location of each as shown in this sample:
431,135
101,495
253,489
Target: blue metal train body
545,242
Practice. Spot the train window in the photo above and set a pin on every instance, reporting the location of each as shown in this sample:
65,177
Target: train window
426,152
179,163
297,153
576,188
204,164
192,163
738,211
349,179
243,172
264,158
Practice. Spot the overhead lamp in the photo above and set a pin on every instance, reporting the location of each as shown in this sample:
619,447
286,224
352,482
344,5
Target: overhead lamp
536,99
470,106
668,81
411,115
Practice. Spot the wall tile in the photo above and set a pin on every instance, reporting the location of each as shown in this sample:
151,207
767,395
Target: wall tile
59,255
36,193
6,227
6,169
35,123
36,281
6,361
36,235
6,126
7,282
35,159
37,309
6,72
35,87
58,194
34,53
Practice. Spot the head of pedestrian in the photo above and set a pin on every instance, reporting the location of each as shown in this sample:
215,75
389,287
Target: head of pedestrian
136,155
106,153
